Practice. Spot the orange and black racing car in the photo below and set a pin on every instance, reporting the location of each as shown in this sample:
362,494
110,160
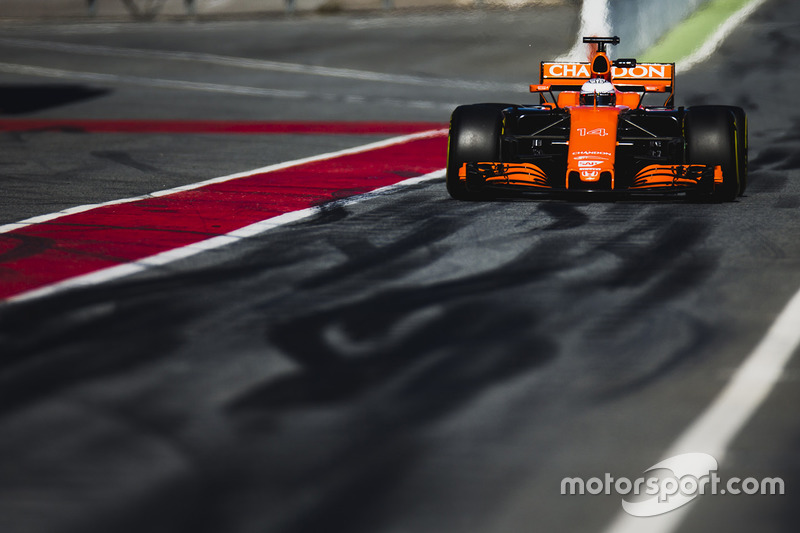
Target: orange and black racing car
593,132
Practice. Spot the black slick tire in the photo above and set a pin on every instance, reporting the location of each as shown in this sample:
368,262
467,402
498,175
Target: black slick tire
474,137
711,139
740,121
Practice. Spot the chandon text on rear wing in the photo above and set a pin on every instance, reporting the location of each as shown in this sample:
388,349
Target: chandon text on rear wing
641,78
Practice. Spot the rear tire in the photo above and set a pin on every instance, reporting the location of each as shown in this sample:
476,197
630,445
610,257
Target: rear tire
711,139
474,137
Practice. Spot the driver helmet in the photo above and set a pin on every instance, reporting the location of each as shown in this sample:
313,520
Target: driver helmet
598,91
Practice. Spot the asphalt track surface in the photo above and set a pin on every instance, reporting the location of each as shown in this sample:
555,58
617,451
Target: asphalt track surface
404,362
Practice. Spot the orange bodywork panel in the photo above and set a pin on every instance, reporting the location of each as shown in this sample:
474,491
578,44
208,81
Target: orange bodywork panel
631,100
511,174
572,98
593,142
568,99
671,176
592,148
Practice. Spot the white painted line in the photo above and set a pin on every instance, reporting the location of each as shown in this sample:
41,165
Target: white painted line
213,243
714,430
28,70
257,64
160,83
715,39
176,254
270,168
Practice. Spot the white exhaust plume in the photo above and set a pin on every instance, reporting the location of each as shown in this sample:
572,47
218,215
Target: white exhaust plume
594,23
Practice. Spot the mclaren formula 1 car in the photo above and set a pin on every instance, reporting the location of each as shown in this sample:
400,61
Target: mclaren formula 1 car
592,131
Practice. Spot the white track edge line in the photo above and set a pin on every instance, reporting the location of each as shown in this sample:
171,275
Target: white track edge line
719,424
171,84
39,219
183,252
716,39
258,64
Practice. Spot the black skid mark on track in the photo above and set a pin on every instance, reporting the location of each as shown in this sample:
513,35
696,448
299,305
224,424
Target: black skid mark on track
782,57
660,272
356,502
781,154
641,264
124,159
566,216
363,256
22,99
778,158
630,371
327,214
789,201
462,360
451,328
654,276
387,366
771,156
22,246
53,343
767,182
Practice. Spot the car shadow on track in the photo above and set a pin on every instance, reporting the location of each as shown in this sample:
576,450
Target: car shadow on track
24,99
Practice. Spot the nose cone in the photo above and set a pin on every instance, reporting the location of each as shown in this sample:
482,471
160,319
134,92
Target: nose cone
592,146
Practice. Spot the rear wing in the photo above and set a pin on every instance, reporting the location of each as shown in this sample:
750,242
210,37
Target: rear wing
640,78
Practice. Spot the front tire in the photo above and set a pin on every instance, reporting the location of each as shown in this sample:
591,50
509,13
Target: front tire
474,137
712,138
740,120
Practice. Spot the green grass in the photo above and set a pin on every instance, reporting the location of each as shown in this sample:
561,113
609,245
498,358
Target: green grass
688,36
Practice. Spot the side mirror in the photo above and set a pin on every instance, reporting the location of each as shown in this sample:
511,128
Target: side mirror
625,63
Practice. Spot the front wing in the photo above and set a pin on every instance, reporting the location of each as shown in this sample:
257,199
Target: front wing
657,179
